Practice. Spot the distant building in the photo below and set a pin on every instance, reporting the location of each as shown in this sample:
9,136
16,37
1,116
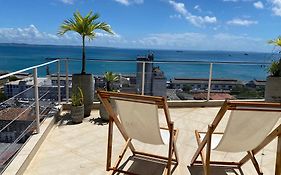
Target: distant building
213,96
18,126
256,83
201,84
159,83
147,74
47,88
154,79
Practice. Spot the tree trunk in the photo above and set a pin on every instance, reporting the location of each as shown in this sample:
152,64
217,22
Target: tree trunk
83,56
108,86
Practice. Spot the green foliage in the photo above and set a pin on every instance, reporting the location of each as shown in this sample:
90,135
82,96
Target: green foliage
77,97
241,92
2,97
276,42
85,27
110,77
186,88
13,78
275,67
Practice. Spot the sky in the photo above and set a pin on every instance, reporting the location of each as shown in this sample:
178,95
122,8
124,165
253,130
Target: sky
236,25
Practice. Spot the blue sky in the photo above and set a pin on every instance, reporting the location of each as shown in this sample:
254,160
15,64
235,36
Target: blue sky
243,25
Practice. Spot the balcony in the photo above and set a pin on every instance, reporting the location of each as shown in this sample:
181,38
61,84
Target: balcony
81,148
54,145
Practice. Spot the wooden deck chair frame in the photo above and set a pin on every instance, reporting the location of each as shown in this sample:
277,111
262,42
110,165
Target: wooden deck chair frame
206,141
105,96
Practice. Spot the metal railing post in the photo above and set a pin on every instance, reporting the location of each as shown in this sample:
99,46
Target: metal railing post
66,81
143,78
36,97
210,81
58,81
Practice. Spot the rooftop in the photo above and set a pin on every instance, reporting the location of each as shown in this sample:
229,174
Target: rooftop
81,148
12,113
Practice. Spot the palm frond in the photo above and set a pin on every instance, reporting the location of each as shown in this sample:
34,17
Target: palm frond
276,42
104,26
85,26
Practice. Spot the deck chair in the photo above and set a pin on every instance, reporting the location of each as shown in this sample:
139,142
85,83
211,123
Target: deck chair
137,118
249,129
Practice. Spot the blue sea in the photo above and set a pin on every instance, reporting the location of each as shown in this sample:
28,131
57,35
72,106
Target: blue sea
18,56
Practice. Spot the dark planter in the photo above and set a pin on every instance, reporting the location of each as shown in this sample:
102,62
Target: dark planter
103,114
85,82
273,89
77,113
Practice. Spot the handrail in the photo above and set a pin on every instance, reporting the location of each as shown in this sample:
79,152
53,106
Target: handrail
26,69
167,61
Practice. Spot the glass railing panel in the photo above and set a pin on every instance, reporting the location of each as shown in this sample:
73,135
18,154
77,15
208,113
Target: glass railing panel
181,80
238,81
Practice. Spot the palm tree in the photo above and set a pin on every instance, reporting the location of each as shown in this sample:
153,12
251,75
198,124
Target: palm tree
110,78
85,27
275,67
276,42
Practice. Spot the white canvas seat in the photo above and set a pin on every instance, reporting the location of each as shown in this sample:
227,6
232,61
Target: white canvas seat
140,120
248,130
136,117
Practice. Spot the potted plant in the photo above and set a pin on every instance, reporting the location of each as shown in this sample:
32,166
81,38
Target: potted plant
273,81
86,27
110,78
77,105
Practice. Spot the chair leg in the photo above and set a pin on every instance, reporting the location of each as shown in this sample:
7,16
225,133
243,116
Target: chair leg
175,151
202,153
170,154
208,151
278,157
255,162
109,144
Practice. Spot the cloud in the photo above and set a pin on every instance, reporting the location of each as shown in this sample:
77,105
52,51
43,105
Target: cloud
258,5
200,41
230,0
276,7
179,7
241,22
197,7
198,21
187,41
129,2
67,1
31,35
177,16
238,0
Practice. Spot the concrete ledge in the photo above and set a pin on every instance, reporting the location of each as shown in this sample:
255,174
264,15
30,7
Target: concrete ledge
29,149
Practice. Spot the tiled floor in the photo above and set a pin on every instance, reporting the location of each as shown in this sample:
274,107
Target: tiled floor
81,148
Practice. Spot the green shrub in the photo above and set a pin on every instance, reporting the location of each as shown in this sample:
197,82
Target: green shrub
77,97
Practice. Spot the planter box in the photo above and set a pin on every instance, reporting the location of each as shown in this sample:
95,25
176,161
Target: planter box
103,114
77,113
273,89
85,82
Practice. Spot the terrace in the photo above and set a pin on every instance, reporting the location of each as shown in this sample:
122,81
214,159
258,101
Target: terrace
59,147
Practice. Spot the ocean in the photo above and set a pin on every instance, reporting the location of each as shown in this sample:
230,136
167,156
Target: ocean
18,56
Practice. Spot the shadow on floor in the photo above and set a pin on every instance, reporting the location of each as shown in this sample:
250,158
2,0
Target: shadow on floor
215,170
98,121
144,166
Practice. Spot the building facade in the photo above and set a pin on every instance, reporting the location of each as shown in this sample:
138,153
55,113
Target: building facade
154,79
